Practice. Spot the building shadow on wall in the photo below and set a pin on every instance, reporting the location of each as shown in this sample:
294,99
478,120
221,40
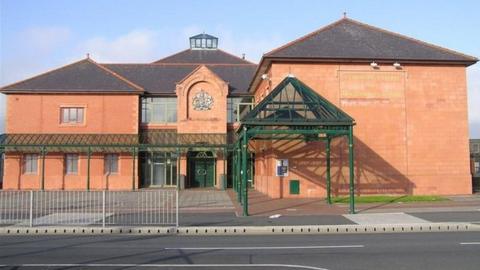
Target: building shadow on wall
373,174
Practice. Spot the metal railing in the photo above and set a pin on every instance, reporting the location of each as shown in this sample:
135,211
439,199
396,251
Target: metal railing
85,208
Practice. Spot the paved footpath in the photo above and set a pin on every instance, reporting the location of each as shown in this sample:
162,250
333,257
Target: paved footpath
213,208
277,212
230,219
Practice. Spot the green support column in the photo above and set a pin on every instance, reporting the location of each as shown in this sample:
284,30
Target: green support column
234,170
44,152
329,193
351,174
225,181
244,171
89,156
239,176
133,167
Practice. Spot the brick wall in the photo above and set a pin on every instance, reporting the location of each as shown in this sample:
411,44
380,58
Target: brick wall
411,134
104,114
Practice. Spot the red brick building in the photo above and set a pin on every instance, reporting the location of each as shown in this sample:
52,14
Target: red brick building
175,121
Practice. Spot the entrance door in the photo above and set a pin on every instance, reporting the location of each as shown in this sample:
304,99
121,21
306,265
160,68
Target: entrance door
201,171
158,176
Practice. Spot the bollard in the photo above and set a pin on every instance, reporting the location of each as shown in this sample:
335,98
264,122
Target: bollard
31,208
176,208
103,208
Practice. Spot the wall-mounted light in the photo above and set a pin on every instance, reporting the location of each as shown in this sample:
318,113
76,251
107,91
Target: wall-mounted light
265,77
397,65
374,64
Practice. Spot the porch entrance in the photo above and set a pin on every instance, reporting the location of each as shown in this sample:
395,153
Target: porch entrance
201,169
292,111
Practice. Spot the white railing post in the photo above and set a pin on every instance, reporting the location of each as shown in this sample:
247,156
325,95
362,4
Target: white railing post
103,208
31,208
159,207
176,206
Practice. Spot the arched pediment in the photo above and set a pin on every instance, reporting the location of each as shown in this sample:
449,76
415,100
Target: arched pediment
202,74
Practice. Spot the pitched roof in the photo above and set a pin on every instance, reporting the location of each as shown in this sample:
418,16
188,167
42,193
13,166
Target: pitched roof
203,36
190,56
82,76
162,78
294,103
349,39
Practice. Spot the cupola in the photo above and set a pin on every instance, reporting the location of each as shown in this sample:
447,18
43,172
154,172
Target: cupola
203,42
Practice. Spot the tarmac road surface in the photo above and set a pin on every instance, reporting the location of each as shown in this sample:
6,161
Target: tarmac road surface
366,251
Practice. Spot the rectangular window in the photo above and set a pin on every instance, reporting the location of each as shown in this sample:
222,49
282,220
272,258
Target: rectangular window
111,163
71,163
30,163
145,111
476,148
237,106
159,110
209,43
476,169
71,115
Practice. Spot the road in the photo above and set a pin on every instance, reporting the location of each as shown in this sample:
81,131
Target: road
363,251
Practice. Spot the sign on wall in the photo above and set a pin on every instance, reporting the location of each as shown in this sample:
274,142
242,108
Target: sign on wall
372,85
202,101
282,167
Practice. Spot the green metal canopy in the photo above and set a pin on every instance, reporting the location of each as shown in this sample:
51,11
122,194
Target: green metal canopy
294,103
291,111
109,142
150,140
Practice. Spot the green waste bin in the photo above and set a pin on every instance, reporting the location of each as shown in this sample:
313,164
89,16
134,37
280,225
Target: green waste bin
294,187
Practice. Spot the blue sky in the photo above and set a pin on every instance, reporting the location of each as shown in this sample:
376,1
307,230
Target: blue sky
39,35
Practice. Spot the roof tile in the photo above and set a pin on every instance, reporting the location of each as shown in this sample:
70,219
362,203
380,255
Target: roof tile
203,57
81,76
349,39
162,78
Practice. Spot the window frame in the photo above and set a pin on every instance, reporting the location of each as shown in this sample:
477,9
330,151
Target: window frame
107,163
159,110
233,108
69,109
69,159
28,162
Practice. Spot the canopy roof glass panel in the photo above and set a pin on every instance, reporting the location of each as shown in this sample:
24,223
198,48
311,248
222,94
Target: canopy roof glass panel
294,103
120,142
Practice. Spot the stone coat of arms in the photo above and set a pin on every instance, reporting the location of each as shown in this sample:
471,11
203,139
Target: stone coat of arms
202,101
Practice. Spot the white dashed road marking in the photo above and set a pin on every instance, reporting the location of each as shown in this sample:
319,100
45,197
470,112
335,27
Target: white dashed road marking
222,266
250,248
